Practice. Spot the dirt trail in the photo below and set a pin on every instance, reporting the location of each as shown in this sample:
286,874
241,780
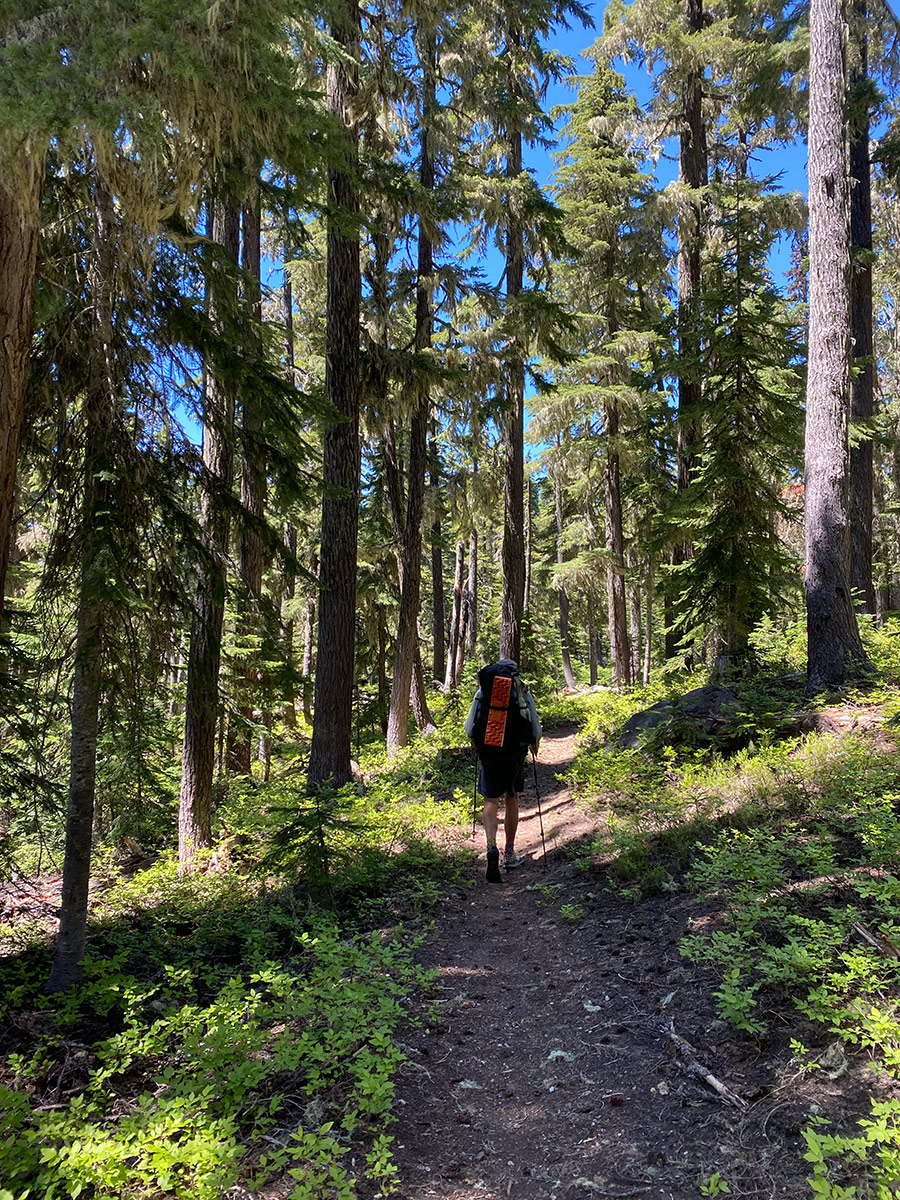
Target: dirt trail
546,1074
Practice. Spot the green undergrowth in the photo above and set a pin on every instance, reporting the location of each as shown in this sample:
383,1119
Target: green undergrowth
783,648
807,884
372,850
237,1025
794,843
209,1074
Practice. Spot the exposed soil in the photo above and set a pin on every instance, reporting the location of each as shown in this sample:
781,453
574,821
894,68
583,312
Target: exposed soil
545,1071
545,1068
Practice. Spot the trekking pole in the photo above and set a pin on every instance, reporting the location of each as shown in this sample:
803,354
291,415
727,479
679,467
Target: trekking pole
474,795
540,814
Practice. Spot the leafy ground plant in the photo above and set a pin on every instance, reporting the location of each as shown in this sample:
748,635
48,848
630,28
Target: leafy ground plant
234,1026
294,1054
810,918
796,844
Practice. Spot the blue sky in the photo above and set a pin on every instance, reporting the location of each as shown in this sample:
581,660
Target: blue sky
791,163
788,163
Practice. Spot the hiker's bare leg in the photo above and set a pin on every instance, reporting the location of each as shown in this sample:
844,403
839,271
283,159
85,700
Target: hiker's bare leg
491,821
511,819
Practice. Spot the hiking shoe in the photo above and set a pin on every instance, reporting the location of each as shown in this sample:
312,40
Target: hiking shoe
493,865
511,860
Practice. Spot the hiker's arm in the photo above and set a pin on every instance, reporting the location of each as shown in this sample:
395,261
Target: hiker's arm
473,712
536,729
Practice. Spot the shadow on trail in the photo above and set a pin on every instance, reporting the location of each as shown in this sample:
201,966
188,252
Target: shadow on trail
542,1071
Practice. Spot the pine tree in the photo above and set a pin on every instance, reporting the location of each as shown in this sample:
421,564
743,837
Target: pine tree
408,524
330,751
253,498
835,652
720,77
750,435
205,647
618,248
862,383
508,91
97,511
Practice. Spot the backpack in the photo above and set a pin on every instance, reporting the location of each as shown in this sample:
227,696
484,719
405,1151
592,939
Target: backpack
502,721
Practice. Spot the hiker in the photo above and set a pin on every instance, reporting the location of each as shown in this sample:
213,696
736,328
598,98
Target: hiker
502,725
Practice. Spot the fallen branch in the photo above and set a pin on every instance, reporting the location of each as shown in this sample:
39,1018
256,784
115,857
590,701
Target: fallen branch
693,1067
878,941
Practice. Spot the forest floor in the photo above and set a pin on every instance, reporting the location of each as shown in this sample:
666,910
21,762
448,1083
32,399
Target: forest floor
547,1069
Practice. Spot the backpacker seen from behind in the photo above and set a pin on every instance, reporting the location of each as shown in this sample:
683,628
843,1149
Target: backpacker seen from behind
502,720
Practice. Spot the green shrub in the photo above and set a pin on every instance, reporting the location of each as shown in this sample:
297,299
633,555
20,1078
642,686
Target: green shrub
211,1076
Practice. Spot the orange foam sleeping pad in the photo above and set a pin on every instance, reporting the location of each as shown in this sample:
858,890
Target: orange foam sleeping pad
499,710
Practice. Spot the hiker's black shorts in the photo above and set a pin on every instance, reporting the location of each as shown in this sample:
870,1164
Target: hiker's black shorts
502,771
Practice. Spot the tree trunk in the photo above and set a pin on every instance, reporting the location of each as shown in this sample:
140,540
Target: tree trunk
648,624
264,746
561,592
513,548
384,687
90,633
288,592
14,557
329,757
424,719
881,535
835,652
205,651
287,304
529,540
450,679
862,385
670,640
619,652
289,584
592,640
636,632
438,616
462,636
409,539
472,593
20,222
309,627
253,494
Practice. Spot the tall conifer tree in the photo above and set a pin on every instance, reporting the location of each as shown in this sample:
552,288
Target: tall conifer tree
862,384
618,247
409,523
333,706
508,90
94,580
205,647
835,652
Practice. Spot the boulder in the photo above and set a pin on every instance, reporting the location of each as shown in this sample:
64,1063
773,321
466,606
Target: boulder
700,717
635,730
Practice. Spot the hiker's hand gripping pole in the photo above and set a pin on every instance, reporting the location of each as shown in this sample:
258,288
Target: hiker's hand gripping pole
540,814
